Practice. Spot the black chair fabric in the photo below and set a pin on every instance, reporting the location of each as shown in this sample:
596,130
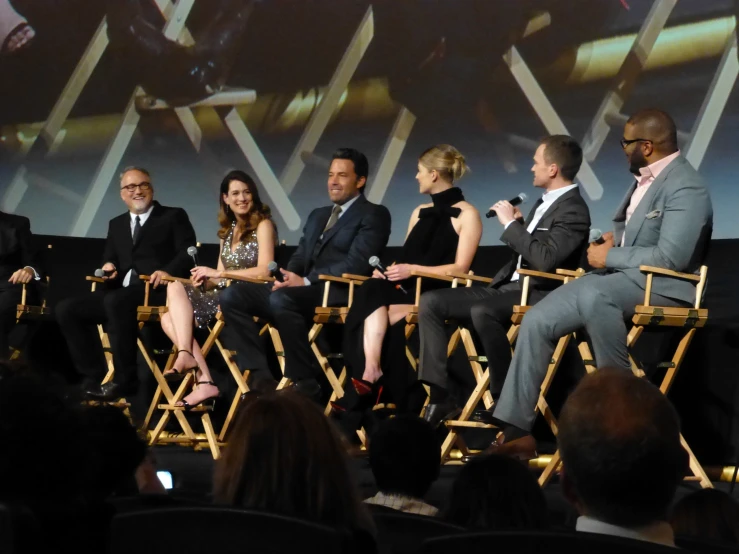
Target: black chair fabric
539,542
19,531
221,530
704,547
399,532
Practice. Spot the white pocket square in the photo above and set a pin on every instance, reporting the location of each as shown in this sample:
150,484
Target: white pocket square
541,229
654,214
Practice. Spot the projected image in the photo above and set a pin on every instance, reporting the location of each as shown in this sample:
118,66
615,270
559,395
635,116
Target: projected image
193,89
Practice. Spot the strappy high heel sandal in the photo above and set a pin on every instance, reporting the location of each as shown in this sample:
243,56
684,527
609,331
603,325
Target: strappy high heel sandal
209,402
361,397
176,375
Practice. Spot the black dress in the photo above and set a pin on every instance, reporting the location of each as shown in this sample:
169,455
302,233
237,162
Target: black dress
432,242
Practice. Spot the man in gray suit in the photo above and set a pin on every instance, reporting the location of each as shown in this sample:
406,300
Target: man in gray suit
665,220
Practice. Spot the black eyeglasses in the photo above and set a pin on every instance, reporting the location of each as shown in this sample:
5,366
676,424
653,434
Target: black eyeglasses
625,143
141,186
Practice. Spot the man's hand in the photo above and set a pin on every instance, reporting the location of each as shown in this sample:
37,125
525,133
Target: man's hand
505,211
377,274
290,279
517,214
22,276
156,277
597,253
398,272
109,267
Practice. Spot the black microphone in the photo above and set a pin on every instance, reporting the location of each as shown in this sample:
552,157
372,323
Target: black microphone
520,199
274,271
192,251
375,262
596,236
104,273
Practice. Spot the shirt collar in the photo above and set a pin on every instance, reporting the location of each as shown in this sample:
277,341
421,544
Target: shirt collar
659,532
144,216
552,195
651,172
346,205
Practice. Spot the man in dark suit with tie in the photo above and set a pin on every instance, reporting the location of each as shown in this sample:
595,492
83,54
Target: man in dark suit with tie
18,266
336,239
150,239
554,235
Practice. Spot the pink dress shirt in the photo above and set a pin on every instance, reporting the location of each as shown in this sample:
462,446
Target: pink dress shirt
646,177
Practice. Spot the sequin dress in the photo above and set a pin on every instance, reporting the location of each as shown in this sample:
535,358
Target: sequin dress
246,254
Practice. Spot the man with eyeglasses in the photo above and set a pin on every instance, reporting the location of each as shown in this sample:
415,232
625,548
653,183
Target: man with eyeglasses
150,239
665,220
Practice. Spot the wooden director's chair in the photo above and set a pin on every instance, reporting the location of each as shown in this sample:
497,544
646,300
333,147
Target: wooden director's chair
647,316
482,377
31,313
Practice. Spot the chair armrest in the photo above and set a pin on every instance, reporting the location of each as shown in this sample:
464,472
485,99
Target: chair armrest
669,273
541,274
244,279
94,279
426,275
359,278
466,277
335,279
176,279
570,272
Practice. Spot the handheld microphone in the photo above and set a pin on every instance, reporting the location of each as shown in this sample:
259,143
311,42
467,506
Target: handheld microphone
104,273
596,236
375,262
520,199
192,251
274,271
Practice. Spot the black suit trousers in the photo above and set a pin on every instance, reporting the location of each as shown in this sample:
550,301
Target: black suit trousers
289,309
116,310
487,310
10,297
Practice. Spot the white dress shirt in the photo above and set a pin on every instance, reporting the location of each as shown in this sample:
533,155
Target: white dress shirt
142,218
344,207
547,200
659,532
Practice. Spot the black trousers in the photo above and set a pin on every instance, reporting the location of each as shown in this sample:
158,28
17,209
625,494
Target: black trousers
10,297
116,310
290,310
489,312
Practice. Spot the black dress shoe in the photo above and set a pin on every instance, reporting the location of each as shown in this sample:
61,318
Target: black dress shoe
486,416
111,391
436,413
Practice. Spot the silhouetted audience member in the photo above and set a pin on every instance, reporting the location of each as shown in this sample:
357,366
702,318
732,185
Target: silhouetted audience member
707,514
405,458
619,438
497,493
284,457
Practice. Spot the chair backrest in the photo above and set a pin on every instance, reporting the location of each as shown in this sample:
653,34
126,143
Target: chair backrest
221,530
399,532
524,542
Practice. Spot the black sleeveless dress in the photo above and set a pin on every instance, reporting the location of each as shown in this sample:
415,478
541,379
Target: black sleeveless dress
432,242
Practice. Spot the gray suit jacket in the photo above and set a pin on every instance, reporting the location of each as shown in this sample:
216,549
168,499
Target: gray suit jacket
670,228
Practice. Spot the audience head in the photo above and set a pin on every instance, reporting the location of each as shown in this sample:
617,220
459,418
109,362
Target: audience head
497,493
619,438
284,457
136,189
556,161
707,514
240,204
405,456
440,167
117,451
649,136
347,175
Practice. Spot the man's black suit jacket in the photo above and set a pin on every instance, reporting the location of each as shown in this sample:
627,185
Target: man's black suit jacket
162,243
16,248
359,234
560,240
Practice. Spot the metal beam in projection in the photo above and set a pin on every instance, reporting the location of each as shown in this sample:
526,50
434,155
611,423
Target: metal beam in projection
624,82
391,155
548,116
113,156
714,103
331,99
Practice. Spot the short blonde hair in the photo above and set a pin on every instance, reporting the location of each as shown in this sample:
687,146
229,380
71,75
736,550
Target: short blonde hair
446,160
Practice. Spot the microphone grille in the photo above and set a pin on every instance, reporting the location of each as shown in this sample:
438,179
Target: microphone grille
595,234
374,261
99,273
192,250
523,196
272,266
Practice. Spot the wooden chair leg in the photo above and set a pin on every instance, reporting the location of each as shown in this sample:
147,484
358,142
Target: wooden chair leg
211,435
550,470
234,405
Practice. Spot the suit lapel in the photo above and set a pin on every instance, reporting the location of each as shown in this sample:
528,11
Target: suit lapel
343,220
549,214
145,227
314,234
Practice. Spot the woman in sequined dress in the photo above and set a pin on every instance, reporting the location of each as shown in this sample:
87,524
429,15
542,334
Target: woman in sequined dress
248,238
